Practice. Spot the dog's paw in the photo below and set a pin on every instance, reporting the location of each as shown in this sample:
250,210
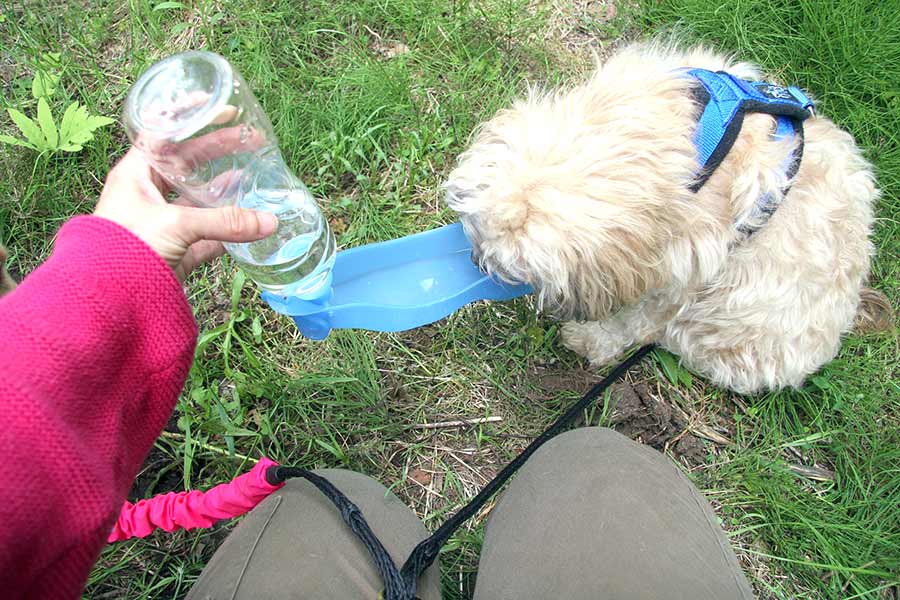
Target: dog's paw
593,341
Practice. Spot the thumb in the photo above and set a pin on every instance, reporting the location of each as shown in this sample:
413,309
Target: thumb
226,224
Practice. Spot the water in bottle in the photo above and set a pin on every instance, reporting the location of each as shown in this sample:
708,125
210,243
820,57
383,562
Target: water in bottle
199,125
297,258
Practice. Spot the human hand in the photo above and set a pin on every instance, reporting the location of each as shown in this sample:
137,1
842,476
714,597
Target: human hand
184,236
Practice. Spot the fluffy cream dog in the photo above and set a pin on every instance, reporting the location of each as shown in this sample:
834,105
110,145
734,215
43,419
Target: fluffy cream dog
583,193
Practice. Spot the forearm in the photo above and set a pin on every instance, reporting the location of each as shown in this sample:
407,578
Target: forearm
96,345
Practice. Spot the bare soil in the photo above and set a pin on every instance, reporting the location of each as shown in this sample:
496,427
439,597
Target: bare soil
645,418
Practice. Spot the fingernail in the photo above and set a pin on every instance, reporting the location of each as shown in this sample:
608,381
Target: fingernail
268,223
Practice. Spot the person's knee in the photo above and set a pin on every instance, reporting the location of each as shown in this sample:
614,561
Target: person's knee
590,440
585,454
300,494
602,436
351,481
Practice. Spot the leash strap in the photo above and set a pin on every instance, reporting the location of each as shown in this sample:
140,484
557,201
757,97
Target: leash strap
400,584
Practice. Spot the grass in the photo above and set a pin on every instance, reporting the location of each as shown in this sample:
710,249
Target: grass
372,100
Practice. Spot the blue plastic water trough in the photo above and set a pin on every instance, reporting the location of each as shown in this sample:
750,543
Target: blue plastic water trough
397,285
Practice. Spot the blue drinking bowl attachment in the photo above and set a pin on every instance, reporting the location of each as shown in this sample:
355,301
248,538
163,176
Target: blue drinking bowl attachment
396,285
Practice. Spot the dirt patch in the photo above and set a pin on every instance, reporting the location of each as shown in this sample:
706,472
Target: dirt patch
7,75
542,383
554,382
216,310
584,29
650,420
157,476
393,390
442,470
635,411
421,338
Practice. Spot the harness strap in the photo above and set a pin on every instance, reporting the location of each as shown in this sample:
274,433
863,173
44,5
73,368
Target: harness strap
400,584
768,203
726,100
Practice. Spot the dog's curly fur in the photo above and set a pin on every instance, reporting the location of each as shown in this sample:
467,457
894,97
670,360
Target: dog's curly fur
583,193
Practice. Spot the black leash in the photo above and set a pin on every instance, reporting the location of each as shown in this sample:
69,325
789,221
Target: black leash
400,584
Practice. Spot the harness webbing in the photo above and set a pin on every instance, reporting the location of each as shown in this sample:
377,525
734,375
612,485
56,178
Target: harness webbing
400,584
726,99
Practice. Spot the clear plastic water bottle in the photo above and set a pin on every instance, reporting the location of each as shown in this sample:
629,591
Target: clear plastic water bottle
199,125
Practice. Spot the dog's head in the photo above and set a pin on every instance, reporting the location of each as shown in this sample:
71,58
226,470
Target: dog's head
577,195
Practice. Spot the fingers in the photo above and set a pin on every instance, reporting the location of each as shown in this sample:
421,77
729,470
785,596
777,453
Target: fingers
226,224
132,178
183,157
198,254
217,192
206,250
228,140
134,167
181,201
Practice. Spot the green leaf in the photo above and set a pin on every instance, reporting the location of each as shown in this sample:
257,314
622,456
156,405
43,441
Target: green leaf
96,122
8,139
223,416
248,352
240,432
51,58
198,395
46,79
29,129
337,452
208,337
236,287
669,366
188,456
44,84
257,329
77,127
71,120
168,6
79,136
820,382
48,127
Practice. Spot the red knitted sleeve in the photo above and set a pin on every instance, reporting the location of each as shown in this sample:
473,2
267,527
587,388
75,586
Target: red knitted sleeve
95,346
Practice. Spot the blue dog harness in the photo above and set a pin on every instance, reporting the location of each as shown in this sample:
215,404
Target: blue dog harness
726,99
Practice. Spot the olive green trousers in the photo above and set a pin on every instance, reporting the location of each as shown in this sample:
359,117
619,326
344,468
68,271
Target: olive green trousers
592,515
